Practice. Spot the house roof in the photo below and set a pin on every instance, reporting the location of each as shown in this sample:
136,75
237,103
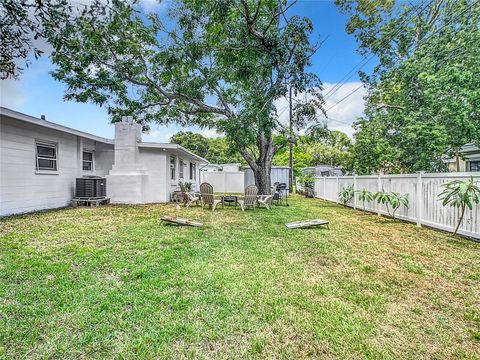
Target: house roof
470,148
51,125
170,146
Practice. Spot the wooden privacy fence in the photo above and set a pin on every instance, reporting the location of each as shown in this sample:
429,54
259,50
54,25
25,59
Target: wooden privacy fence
422,189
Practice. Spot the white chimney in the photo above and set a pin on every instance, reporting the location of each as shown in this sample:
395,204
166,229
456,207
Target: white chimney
128,134
126,181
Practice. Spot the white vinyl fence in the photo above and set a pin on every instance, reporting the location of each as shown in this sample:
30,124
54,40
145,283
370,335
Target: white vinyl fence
422,189
224,181
277,174
236,181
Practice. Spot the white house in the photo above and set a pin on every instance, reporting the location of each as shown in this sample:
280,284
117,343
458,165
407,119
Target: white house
40,160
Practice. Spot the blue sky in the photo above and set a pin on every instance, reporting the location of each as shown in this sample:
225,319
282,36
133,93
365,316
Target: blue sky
37,93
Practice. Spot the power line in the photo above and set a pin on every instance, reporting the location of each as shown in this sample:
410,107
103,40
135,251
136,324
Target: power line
420,43
345,97
366,60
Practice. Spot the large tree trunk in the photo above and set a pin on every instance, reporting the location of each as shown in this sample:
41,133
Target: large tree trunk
262,179
262,165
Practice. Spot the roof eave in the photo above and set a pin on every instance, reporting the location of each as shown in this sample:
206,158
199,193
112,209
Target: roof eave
50,125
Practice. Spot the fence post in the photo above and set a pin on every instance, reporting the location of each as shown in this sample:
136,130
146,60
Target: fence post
225,182
324,188
354,191
419,198
336,192
379,188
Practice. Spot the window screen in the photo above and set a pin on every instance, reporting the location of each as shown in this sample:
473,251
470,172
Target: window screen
87,161
182,165
173,165
46,156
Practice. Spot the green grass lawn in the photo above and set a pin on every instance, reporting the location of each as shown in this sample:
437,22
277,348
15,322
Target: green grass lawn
111,282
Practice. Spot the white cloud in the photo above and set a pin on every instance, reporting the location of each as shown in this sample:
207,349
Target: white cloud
161,134
158,6
12,94
345,113
340,117
209,133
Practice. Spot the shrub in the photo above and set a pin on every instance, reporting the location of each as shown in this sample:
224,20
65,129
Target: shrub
396,199
393,199
346,194
383,197
460,194
365,195
188,186
308,182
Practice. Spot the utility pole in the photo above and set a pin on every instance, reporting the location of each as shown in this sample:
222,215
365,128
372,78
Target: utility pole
290,143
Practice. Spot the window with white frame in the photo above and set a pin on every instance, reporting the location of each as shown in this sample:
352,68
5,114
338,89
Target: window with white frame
173,167
87,161
182,165
46,155
193,171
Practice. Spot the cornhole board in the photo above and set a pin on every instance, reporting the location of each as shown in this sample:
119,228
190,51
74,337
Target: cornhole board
302,224
180,221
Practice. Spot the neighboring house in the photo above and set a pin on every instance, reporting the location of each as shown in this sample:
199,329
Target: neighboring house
40,160
469,159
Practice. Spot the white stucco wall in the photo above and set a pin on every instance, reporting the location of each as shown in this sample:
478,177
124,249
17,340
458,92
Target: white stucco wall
154,180
136,172
172,185
155,163
22,188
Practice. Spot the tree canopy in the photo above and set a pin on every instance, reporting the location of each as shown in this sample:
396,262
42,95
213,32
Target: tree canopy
423,96
214,150
330,148
192,141
26,25
214,64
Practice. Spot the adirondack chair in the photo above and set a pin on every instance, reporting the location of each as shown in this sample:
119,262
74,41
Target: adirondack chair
266,200
206,191
250,197
188,199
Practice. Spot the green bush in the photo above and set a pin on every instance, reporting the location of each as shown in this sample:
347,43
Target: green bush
460,194
346,194
365,196
393,199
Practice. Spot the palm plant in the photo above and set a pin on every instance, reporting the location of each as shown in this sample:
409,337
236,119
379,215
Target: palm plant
308,183
396,199
383,197
346,194
460,194
365,196
188,186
